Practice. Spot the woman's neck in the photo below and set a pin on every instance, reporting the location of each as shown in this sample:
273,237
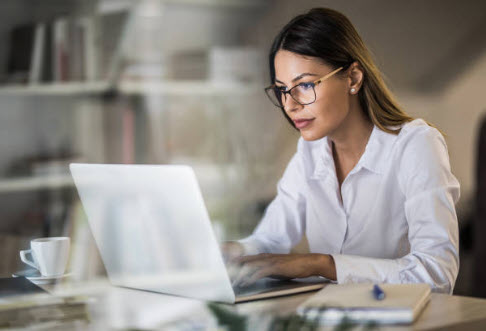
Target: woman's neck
351,137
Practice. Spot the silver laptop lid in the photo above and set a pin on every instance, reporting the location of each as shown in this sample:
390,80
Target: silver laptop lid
152,229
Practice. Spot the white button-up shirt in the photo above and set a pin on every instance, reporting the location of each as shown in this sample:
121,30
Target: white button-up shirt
396,222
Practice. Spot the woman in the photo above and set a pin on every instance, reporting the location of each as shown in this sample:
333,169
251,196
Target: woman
370,187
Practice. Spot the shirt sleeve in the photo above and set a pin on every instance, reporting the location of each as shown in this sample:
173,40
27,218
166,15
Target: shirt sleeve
283,223
431,191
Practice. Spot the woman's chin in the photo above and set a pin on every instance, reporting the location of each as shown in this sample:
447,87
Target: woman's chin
311,135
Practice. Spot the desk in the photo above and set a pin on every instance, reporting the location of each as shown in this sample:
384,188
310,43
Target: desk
444,312
113,307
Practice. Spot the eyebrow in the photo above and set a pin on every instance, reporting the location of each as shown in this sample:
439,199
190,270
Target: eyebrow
297,78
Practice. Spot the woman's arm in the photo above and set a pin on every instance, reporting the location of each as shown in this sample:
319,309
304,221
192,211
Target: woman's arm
285,266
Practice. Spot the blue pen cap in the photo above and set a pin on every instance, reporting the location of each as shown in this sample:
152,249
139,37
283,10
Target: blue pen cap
378,293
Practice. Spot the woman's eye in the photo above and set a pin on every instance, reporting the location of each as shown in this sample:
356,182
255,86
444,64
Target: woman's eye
306,86
281,88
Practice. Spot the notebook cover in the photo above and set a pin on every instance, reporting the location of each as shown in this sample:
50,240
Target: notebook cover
402,304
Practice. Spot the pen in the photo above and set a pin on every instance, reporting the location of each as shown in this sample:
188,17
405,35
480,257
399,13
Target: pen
378,293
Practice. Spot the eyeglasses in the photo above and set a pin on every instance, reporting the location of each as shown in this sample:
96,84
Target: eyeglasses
303,93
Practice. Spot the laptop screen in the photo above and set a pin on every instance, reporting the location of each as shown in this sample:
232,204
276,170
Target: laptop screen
152,229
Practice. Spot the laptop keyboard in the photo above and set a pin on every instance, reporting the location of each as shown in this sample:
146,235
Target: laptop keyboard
266,285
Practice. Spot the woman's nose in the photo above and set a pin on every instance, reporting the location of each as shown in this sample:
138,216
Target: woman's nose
290,104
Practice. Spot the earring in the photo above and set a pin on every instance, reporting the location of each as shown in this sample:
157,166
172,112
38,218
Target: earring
353,90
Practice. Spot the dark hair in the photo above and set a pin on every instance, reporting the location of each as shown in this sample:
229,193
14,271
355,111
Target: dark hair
328,35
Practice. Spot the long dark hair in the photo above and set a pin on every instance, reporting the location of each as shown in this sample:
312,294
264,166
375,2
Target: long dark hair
329,35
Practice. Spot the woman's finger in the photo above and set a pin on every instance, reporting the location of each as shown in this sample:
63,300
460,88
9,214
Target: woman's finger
248,269
242,274
231,250
260,273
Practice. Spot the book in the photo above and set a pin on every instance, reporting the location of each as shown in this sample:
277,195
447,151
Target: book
37,54
90,47
111,32
46,69
76,46
60,51
20,53
355,303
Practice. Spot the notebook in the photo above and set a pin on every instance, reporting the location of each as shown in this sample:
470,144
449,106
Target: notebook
355,303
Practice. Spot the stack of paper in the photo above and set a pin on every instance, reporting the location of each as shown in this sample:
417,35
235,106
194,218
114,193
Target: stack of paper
355,303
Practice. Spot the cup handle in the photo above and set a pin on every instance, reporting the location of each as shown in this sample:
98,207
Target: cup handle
24,259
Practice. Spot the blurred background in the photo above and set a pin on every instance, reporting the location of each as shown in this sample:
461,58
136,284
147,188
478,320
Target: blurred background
181,82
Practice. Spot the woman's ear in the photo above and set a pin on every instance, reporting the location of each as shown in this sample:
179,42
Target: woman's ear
355,77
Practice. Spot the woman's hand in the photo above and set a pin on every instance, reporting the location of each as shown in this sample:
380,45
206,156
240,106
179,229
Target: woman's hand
232,250
282,266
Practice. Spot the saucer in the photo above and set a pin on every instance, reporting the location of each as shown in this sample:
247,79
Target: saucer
35,277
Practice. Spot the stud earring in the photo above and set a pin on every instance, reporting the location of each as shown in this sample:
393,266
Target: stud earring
353,90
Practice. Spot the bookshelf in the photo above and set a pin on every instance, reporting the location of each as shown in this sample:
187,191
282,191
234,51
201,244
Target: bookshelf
123,20
147,121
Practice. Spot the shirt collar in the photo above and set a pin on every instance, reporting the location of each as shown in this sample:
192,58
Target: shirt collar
375,157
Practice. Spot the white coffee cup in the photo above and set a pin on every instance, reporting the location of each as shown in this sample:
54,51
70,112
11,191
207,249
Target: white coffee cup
49,255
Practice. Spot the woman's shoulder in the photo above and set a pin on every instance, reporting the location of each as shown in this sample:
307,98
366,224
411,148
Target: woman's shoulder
421,147
415,126
418,133
423,159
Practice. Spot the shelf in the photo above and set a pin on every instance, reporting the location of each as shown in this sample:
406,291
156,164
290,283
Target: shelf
189,88
173,88
22,184
110,6
55,89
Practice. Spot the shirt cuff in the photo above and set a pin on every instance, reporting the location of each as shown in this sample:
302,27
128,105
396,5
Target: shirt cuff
251,246
358,269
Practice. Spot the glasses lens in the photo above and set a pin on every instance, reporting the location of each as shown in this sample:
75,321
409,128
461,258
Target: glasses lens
304,93
275,95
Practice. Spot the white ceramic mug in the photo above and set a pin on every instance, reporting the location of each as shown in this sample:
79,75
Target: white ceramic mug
49,255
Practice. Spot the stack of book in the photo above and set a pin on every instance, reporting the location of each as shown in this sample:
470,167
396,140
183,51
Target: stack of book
62,50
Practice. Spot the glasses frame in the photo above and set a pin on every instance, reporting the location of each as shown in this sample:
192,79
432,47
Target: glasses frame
271,89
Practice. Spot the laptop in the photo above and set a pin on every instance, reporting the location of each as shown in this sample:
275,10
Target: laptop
153,232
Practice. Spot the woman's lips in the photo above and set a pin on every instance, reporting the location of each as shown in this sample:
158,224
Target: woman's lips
302,123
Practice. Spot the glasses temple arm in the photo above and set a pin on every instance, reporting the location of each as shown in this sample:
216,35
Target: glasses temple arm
328,75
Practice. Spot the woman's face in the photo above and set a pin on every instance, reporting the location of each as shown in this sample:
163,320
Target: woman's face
331,107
